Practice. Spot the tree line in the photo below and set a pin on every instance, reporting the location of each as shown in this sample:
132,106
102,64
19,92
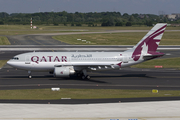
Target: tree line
77,18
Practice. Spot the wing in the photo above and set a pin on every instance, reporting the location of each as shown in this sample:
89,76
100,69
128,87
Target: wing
92,66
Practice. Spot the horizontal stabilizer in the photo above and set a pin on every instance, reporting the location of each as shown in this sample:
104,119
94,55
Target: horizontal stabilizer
152,55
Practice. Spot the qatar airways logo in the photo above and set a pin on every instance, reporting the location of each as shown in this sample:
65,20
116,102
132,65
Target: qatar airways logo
38,59
149,44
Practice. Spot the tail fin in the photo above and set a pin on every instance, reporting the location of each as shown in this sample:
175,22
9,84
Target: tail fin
149,43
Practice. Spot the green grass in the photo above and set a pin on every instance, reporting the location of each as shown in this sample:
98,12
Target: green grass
169,38
166,63
4,40
2,63
102,39
68,27
25,29
47,94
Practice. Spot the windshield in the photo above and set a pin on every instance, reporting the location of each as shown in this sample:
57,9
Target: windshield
15,58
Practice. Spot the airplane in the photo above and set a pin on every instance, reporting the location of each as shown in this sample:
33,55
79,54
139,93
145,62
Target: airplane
65,64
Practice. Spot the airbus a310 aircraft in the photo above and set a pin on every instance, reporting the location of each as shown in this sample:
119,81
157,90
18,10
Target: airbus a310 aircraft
64,64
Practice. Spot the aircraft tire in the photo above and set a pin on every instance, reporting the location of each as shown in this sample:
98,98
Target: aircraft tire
88,77
83,77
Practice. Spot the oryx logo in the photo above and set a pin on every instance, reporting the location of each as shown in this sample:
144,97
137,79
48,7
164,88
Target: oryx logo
148,44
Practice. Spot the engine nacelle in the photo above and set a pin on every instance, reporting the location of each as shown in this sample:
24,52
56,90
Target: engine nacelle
65,71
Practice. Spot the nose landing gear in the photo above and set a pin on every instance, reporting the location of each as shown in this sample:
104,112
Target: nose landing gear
29,72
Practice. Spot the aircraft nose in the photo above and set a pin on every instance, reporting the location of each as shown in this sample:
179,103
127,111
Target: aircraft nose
10,63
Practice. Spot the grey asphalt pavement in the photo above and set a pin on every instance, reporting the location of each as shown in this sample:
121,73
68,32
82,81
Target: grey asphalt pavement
126,78
33,40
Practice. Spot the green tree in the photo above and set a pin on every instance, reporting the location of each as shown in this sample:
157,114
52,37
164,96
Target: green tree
131,19
1,23
55,23
149,23
119,24
78,24
72,24
125,15
128,24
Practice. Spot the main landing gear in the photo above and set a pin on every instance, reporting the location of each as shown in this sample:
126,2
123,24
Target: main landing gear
84,75
29,72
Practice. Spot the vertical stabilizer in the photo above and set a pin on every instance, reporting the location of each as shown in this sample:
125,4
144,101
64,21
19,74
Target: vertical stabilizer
149,43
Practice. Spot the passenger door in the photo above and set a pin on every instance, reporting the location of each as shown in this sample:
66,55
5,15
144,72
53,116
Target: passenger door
27,59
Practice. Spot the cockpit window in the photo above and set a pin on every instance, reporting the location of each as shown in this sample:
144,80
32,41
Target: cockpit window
15,58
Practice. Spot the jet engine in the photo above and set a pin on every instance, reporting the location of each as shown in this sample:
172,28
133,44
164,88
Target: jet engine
64,71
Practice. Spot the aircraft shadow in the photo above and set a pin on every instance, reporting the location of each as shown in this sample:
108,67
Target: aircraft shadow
124,76
35,76
79,79
93,79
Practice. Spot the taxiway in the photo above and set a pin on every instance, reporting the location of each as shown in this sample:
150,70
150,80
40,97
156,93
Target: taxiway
126,78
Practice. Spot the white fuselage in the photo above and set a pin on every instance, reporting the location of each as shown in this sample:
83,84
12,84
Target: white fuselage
46,61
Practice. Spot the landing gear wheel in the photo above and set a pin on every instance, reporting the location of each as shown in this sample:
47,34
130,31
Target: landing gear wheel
88,77
83,77
79,75
29,72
